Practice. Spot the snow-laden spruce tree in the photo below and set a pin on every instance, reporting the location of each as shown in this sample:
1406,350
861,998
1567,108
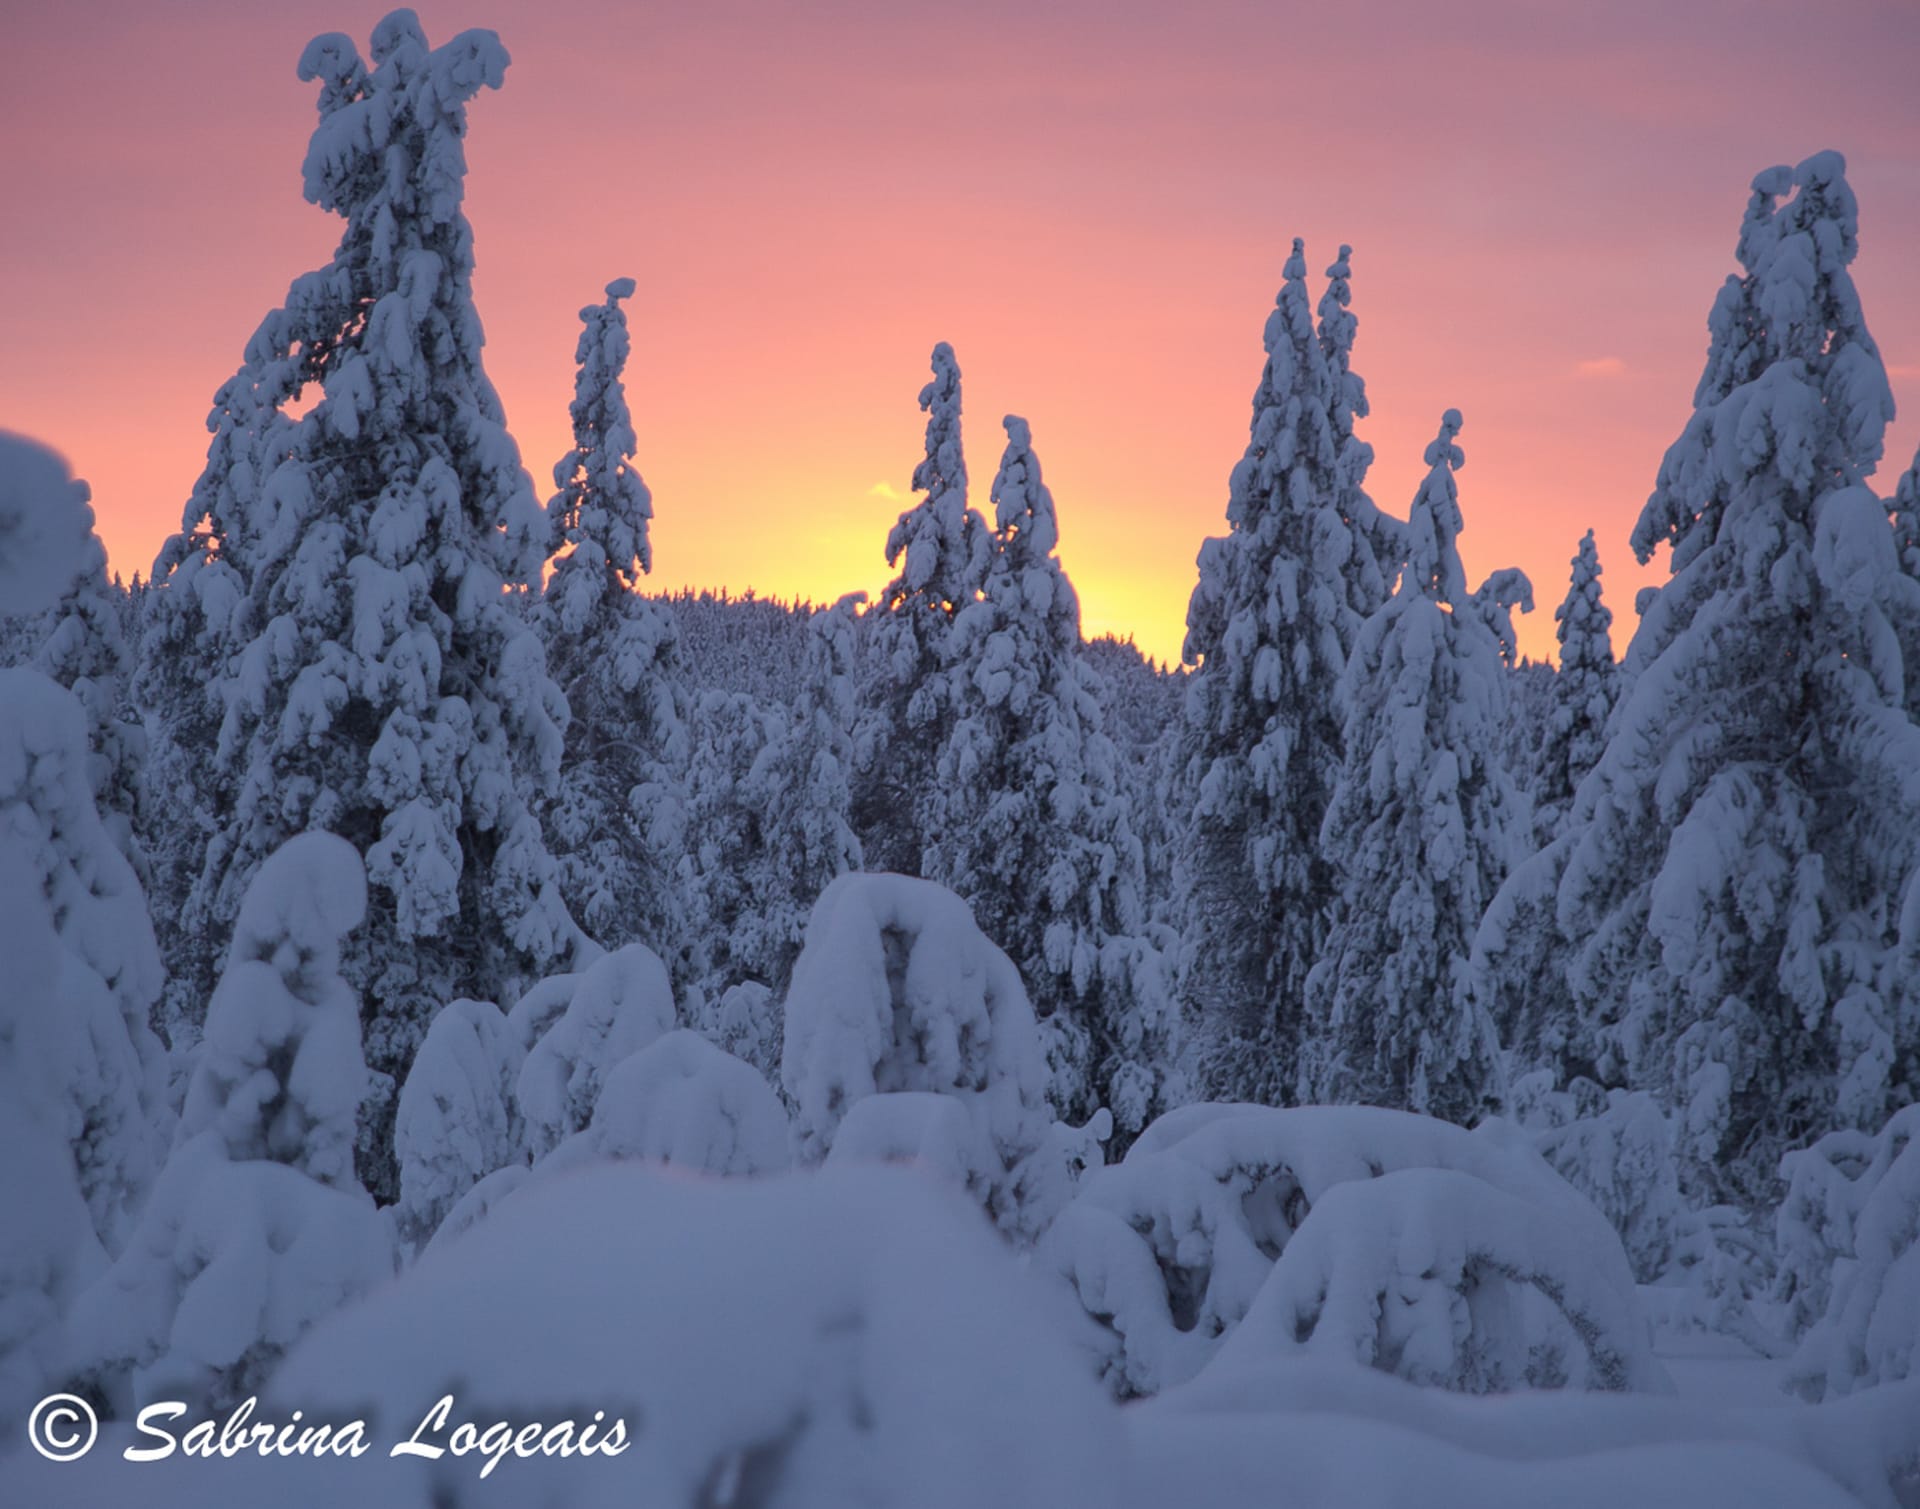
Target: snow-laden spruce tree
257,1226
798,789
83,646
1738,887
1421,831
382,684
1276,610
939,548
179,668
1583,696
1377,542
1032,827
613,820
83,1115
1906,540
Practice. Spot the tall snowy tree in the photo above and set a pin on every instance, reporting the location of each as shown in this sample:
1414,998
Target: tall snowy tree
1033,828
1421,830
940,548
82,644
614,818
1583,694
382,685
1277,608
1738,888
1906,540
1376,543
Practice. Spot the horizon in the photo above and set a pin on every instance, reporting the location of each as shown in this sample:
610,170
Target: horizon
805,216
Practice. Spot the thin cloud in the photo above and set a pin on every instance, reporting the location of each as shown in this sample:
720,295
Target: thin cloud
1907,370
883,490
1601,366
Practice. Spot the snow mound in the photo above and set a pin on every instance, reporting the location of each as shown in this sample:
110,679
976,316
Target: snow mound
845,1337
684,1102
1354,1438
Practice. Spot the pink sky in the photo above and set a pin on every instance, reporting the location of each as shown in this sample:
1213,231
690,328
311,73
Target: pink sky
1092,202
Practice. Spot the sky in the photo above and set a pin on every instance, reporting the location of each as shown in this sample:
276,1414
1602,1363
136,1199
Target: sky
1092,202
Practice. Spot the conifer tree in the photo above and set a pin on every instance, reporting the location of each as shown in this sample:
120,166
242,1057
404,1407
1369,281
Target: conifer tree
939,548
1583,695
378,681
257,1226
1034,829
82,644
1421,830
1737,865
1279,602
615,817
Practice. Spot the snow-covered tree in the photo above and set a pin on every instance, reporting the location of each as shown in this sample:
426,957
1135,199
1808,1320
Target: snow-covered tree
82,644
1849,1234
614,819
1172,1249
1276,610
1421,831
83,1114
899,996
940,548
1032,827
789,830
257,1226
1378,543
1737,883
86,1044
1906,541
1582,700
382,684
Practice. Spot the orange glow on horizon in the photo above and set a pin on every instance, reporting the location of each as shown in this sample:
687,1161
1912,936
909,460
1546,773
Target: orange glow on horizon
1092,204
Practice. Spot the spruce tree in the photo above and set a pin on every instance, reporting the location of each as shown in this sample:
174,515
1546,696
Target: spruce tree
82,644
1421,830
939,548
1034,829
614,817
381,684
1575,731
1737,861
1279,602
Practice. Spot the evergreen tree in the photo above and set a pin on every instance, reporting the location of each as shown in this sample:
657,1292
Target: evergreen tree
614,818
1421,830
1376,543
1034,830
798,786
257,1226
1276,610
179,669
82,644
1906,539
940,549
1736,863
381,683
1583,692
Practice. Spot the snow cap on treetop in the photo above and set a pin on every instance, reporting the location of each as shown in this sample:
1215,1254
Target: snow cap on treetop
1442,446
621,288
45,525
